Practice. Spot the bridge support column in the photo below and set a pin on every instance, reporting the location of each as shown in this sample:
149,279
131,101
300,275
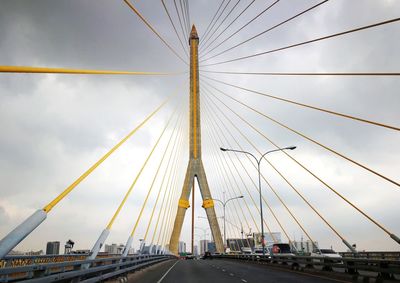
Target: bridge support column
21,231
127,246
97,246
195,167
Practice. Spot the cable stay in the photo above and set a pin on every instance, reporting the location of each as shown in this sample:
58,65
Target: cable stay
212,26
308,106
176,32
293,188
223,20
184,19
184,34
305,42
393,236
213,112
153,30
305,73
313,141
235,185
45,70
212,20
221,170
214,130
224,185
227,27
179,119
177,143
242,27
166,198
265,180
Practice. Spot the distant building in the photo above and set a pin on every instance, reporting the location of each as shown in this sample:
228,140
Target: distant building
305,246
195,251
211,247
182,247
120,249
34,252
111,249
237,244
203,246
69,246
80,252
53,248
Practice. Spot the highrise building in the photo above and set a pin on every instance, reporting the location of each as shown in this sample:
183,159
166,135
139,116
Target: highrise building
53,248
182,247
203,246
111,249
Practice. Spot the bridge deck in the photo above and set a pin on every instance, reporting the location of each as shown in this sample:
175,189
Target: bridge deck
204,271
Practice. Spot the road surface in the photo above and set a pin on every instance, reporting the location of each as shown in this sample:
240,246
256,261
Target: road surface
224,271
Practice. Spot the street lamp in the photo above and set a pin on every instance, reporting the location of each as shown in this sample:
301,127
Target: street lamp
259,181
224,205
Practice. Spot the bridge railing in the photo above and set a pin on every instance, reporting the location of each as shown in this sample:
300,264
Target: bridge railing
22,260
97,269
355,266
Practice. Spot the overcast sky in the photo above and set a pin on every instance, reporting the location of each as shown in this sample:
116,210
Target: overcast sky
53,127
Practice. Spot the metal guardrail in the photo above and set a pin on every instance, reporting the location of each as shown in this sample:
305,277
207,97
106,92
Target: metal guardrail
68,270
373,255
22,260
356,267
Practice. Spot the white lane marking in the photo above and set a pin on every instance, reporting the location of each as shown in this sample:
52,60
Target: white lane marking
161,279
231,274
223,270
244,281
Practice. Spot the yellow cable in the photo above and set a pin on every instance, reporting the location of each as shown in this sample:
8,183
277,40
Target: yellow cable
298,193
167,210
226,181
269,185
248,174
251,179
240,193
54,202
152,29
308,106
44,70
166,197
154,180
323,182
161,186
313,141
140,172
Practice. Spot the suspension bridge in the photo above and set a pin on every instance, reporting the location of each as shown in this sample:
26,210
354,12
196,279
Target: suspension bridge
223,140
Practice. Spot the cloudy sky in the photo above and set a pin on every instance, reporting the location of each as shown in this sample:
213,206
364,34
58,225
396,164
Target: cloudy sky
53,127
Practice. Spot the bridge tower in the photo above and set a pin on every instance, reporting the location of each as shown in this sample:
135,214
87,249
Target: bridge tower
195,169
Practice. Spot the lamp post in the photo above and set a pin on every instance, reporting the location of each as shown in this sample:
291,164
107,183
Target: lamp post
224,205
259,181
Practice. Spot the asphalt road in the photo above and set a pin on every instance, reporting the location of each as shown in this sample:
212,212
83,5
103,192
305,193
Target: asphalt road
224,271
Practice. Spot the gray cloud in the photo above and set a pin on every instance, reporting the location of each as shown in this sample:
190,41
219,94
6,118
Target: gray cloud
55,126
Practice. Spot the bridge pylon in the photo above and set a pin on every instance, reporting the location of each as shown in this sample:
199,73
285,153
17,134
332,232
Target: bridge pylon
195,169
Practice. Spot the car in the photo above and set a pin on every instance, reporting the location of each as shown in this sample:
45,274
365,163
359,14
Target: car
245,250
207,255
189,256
281,249
326,257
326,253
